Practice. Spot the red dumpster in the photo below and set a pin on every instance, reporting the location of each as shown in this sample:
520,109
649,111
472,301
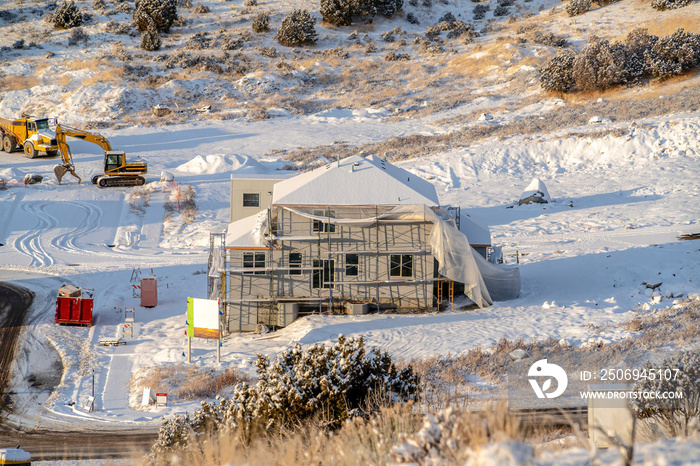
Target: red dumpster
74,307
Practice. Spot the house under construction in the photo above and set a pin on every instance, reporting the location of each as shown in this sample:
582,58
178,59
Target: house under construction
352,236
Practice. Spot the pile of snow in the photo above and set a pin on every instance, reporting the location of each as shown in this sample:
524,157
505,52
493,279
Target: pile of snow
536,192
219,163
11,174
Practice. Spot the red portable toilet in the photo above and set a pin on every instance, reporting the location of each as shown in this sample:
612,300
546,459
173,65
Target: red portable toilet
149,292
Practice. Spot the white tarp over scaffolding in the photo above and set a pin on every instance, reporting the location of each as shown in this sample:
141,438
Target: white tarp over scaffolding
457,261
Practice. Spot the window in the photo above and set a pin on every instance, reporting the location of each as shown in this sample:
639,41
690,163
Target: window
254,260
295,261
401,265
42,124
352,262
321,226
323,276
251,200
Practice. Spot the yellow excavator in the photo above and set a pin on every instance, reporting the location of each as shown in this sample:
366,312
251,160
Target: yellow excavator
117,170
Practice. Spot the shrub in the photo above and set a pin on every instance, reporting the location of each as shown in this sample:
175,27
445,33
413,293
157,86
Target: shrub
549,39
674,54
76,36
600,65
337,12
674,414
297,28
201,9
250,3
261,22
162,13
388,8
335,383
480,11
343,12
411,18
558,74
67,15
669,4
501,10
150,40
578,7
394,56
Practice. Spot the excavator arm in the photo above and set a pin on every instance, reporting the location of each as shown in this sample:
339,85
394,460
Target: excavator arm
62,131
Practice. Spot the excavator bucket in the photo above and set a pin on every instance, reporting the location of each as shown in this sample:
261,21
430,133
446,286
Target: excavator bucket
61,170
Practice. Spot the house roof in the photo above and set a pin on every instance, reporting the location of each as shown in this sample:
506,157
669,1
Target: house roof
245,233
355,180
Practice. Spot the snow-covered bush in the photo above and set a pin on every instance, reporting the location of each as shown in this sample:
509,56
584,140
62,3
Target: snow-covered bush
451,437
297,28
669,4
674,414
67,15
162,13
332,384
388,8
76,36
549,39
501,10
337,12
578,7
674,54
396,56
558,74
480,11
600,65
261,22
345,12
150,40
201,9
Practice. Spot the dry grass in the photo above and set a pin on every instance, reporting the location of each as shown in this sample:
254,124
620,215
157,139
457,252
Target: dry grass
454,380
360,441
185,382
669,21
180,204
17,83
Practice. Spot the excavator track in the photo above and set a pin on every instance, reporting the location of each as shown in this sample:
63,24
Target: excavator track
119,181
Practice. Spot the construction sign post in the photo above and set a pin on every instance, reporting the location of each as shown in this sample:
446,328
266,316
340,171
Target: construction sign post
203,322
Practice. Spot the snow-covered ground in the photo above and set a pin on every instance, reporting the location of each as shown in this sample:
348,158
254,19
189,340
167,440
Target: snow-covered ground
619,205
620,200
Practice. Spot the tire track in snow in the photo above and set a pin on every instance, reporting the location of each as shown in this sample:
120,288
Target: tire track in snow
67,241
29,243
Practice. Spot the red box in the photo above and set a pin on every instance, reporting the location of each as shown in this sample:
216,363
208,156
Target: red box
74,310
149,292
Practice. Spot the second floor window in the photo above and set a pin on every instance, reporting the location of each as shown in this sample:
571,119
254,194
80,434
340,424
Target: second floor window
251,200
322,226
254,260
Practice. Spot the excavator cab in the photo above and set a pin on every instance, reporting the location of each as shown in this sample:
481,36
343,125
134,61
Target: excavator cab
113,160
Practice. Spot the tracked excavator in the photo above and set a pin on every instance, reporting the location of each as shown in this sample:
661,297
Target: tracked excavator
117,170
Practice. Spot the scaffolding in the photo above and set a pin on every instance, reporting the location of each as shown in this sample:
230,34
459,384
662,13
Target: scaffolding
305,259
324,265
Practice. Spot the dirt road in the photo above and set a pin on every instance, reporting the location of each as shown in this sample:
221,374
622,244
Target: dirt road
14,303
